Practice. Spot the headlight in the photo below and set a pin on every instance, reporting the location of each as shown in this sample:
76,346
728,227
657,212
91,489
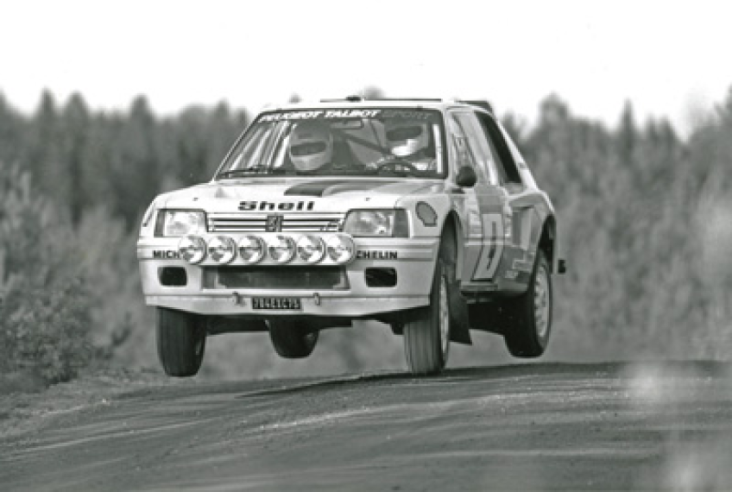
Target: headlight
192,249
377,223
173,223
340,248
221,249
310,249
281,248
251,249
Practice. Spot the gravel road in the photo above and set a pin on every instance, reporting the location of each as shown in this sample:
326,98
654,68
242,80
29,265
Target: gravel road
616,426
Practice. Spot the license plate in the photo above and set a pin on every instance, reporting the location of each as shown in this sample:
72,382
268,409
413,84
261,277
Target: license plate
277,303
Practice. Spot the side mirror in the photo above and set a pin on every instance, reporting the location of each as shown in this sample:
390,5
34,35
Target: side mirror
466,177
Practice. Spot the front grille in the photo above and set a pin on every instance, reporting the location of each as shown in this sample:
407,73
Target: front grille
275,277
290,223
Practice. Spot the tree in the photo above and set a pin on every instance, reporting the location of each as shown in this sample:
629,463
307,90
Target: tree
74,134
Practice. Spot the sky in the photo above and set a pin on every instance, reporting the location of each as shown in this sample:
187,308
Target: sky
668,58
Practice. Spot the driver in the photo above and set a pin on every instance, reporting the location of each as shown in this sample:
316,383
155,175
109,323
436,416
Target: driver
409,141
311,146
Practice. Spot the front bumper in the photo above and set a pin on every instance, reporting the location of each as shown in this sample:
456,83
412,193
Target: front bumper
412,259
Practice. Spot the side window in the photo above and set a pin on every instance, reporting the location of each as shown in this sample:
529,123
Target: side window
465,152
479,144
505,162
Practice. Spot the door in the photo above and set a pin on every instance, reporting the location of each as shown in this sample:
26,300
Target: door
485,205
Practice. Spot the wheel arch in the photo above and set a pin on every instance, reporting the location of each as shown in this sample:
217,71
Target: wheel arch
549,242
452,228
452,237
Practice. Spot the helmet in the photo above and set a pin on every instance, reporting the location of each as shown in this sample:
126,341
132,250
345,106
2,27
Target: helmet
406,137
311,146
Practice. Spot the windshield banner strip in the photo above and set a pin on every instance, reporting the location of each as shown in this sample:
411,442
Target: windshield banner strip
329,114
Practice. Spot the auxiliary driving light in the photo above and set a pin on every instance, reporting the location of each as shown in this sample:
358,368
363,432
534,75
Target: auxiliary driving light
192,249
251,249
222,249
310,249
281,248
340,248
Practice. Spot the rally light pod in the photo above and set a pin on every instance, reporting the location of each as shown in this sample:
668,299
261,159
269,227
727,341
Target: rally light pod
281,248
340,248
221,249
251,249
192,249
310,249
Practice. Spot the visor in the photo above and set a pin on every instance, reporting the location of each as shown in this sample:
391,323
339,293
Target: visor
308,148
404,133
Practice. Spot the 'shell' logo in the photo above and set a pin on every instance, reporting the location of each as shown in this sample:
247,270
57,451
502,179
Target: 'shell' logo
274,223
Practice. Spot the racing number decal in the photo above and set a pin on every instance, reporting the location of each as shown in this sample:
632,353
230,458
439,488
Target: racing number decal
493,235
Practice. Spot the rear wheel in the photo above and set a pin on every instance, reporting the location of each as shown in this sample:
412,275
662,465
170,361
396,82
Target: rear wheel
181,340
427,338
529,316
291,340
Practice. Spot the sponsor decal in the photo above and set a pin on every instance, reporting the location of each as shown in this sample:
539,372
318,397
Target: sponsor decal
494,235
322,114
526,262
345,113
377,255
426,214
351,113
160,254
271,206
412,115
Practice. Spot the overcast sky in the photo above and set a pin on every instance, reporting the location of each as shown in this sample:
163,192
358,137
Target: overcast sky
668,57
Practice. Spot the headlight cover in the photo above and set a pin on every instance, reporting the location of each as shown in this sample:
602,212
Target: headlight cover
310,249
340,248
178,223
281,248
221,249
377,223
251,249
192,249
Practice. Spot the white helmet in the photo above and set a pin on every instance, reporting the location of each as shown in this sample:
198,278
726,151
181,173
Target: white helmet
311,146
406,137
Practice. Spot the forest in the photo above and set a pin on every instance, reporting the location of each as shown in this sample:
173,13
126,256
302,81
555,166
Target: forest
645,217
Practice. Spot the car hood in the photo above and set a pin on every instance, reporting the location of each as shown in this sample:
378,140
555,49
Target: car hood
316,195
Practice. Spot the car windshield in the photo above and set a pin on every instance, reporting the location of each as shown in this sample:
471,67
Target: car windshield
340,142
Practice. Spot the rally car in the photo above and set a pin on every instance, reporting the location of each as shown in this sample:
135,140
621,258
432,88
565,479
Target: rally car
418,213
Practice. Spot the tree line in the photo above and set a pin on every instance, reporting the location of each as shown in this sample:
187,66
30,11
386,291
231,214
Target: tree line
644,217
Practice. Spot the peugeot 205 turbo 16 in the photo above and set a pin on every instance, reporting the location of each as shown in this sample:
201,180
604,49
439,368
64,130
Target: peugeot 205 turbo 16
421,214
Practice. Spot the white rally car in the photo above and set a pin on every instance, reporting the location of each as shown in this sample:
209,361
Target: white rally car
417,213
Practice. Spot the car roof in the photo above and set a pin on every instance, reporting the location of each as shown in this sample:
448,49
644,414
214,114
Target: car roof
358,101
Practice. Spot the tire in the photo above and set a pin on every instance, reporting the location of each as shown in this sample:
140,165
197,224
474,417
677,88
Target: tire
291,340
427,338
529,316
181,340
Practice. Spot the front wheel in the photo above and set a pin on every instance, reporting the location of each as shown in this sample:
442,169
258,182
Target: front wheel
181,341
529,316
291,340
427,339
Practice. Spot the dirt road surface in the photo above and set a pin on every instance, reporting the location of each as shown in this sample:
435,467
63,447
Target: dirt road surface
523,427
